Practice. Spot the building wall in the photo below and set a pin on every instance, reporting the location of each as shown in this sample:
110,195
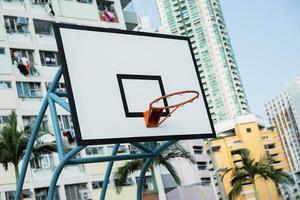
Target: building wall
251,136
28,104
283,112
203,22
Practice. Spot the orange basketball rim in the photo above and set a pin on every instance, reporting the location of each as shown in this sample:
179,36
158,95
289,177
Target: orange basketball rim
153,115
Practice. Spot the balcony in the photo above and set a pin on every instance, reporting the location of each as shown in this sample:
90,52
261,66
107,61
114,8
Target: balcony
17,29
107,11
78,9
19,38
74,171
16,5
44,32
131,19
39,6
42,174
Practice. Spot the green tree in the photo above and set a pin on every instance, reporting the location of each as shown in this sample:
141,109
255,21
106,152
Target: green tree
250,171
13,143
175,151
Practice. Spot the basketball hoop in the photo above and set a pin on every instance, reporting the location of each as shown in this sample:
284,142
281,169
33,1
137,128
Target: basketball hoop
153,114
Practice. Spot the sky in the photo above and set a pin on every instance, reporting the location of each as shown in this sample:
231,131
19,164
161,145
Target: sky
265,35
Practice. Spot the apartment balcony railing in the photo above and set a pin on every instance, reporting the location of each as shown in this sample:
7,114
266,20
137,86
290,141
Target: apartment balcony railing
48,40
19,38
17,5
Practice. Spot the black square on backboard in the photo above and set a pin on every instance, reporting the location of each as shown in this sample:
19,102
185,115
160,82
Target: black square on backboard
127,111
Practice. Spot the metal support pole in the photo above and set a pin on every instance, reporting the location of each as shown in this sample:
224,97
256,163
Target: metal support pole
59,168
139,192
60,102
33,135
148,162
59,142
141,147
108,172
109,158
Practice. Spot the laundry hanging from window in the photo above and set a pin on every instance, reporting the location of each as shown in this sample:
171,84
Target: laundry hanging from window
22,63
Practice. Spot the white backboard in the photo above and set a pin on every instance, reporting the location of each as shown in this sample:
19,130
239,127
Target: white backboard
113,75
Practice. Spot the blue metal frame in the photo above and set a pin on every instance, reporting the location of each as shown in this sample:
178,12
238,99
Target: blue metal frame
149,151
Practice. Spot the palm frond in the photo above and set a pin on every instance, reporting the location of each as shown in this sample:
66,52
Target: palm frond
227,170
177,151
172,171
13,142
236,190
121,174
239,175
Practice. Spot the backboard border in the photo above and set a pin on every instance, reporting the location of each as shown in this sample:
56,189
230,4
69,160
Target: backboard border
82,142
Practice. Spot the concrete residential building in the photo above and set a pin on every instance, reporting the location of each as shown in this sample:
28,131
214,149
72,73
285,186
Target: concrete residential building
248,132
26,32
203,22
284,114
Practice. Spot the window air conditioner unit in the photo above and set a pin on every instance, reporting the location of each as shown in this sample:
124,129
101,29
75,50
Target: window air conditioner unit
85,194
22,21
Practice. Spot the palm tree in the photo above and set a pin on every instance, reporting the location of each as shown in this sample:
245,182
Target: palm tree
13,143
175,151
250,170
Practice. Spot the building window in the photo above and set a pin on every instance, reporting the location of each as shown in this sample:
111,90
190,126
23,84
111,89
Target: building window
42,27
95,151
49,58
65,122
5,84
2,50
60,87
30,120
3,119
42,162
107,11
11,194
205,180
198,149
201,165
148,185
23,59
39,2
66,125
17,1
248,130
236,152
29,89
269,146
16,24
85,1
19,54
97,184
41,193
77,191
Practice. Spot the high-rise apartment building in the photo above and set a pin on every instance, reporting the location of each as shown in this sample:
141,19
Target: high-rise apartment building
26,37
248,132
203,22
195,179
284,114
